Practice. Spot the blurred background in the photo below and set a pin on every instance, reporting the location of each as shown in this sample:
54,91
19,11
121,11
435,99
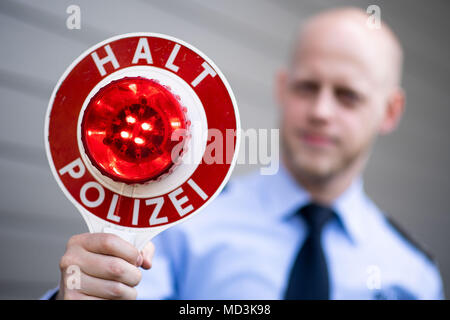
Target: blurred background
408,175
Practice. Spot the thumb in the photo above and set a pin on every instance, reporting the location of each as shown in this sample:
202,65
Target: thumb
147,254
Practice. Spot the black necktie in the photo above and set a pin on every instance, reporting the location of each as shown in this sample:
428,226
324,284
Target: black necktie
309,275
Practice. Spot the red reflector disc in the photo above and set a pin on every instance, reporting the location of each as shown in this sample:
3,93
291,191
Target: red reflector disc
127,129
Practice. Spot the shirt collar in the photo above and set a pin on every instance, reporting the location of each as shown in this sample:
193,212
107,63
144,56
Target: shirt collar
350,208
285,196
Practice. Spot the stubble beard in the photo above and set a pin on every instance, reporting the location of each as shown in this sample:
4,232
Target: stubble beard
306,171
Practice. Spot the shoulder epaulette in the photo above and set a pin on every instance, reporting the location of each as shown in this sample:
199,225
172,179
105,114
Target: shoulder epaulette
409,238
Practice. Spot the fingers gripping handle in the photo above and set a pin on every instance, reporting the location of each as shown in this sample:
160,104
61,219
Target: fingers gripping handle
138,238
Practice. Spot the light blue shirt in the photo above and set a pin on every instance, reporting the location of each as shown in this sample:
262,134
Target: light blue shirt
243,246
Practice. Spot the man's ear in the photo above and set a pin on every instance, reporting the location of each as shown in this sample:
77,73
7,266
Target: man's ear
281,79
394,111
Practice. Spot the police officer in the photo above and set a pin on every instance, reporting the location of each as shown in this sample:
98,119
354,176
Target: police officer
307,232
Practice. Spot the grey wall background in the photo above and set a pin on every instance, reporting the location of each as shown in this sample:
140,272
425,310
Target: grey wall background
408,175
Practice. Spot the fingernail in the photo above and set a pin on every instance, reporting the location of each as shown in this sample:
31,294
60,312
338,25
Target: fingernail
140,260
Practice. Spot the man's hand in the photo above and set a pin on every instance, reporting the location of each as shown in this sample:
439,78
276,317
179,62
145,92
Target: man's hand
109,267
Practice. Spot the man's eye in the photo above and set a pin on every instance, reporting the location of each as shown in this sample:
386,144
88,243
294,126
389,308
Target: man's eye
305,87
346,96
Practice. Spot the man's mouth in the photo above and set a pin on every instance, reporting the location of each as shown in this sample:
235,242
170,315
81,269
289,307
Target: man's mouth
317,140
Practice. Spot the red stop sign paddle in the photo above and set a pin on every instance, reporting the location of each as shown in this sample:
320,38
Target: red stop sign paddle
126,134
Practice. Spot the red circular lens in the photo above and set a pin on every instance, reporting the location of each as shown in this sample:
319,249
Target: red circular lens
127,129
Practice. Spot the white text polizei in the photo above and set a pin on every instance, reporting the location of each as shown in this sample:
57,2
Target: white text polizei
180,201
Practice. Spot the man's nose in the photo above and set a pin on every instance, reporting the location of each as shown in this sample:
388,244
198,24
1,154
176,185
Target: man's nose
324,106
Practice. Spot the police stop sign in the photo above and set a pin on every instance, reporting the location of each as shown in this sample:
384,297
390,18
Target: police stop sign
127,129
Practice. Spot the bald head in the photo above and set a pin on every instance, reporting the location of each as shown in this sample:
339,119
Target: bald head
341,91
344,32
